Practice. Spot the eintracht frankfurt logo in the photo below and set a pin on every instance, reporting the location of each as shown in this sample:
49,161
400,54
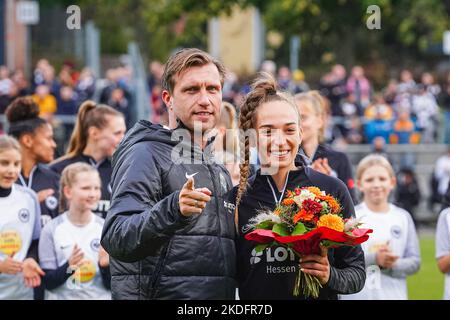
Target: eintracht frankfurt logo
255,257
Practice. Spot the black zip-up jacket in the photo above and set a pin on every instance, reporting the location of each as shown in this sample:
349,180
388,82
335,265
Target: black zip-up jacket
156,252
270,274
339,162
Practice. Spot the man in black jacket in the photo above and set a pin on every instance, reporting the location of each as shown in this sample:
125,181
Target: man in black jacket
166,239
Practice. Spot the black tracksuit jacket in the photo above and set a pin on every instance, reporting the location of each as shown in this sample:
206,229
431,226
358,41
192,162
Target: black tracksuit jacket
156,253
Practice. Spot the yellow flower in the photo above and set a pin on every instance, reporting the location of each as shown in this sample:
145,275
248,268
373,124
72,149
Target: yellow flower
315,190
331,221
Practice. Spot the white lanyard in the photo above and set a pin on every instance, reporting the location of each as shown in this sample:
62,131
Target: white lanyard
277,202
96,164
30,180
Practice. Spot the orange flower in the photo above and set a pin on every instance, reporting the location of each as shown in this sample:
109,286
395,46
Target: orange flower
331,221
277,211
334,205
303,215
288,201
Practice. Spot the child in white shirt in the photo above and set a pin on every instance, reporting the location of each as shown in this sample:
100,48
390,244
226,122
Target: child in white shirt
392,252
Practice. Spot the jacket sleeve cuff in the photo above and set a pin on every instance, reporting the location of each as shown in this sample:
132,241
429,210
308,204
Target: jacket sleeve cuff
332,281
179,217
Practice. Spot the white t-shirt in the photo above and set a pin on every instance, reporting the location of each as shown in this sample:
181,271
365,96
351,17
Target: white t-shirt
442,173
443,244
396,229
58,239
20,217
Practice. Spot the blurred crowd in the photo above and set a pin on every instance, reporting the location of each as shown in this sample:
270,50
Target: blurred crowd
405,111
61,94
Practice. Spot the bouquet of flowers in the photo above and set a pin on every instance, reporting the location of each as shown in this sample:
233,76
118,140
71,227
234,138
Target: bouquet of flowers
305,219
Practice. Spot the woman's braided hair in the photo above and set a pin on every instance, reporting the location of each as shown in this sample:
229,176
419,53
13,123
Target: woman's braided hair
263,89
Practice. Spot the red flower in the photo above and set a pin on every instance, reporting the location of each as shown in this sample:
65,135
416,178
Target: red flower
311,206
297,191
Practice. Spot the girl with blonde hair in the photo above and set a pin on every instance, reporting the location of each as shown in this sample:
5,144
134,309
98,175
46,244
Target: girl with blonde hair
20,228
392,252
76,265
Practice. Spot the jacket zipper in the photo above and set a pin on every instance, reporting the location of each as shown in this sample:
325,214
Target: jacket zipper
218,216
158,268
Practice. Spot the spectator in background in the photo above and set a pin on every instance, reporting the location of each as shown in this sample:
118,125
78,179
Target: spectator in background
111,83
334,87
38,74
67,106
284,78
6,88
407,193
156,70
407,83
5,81
68,75
65,78
354,131
404,131
425,108
377,127
124,79
159,114
442,174
379,109
379,118
379,147
46,101
118,101
430,85
51,81
390,92
298,84
359,86
21,82
269,66
445,104
85,87
405,90
230,87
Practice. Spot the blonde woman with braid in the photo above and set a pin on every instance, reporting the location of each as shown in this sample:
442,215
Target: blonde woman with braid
270,274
